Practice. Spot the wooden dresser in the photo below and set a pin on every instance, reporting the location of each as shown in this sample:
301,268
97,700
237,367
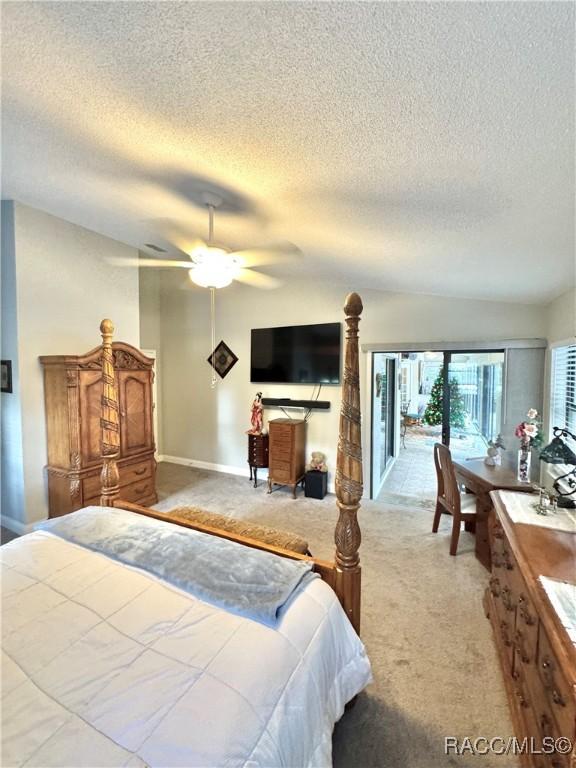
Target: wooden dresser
72,393
287,448
537,655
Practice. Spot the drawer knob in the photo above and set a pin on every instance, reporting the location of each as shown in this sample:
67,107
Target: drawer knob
495,586
524,612
140,471
557,698
507,599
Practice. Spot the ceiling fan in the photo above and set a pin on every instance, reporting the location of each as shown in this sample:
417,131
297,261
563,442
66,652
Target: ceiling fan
213,265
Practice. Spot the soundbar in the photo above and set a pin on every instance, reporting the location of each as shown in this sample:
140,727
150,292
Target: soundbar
286,402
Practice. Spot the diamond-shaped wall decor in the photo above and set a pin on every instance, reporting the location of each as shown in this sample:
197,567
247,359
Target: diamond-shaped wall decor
222,359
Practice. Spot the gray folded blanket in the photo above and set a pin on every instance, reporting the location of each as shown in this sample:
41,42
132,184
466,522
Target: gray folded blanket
250,582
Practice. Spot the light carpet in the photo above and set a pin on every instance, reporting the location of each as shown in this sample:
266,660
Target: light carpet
435,667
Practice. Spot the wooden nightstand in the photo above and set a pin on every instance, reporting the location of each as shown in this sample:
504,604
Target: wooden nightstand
287,452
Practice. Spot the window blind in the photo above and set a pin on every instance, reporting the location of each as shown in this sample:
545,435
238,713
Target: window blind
563,390
563,401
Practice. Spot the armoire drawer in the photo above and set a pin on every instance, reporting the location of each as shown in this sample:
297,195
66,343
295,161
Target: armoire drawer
91,488
131,473
137,491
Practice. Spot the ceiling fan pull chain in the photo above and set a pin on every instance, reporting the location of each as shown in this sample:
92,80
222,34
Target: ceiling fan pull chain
214,380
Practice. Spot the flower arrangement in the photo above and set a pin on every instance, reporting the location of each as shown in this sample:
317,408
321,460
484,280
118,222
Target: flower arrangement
529,431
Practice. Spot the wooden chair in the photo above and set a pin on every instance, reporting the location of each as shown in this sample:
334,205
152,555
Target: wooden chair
449,499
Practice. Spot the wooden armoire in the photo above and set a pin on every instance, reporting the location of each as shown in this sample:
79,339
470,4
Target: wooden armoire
72,394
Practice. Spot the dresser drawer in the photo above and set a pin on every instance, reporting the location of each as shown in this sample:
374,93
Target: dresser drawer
281,443
549,733
134,472
522,690
506,632
282,453
559,696
280,475
282,466
526,634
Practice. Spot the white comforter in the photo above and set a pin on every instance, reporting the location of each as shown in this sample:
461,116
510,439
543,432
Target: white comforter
105,665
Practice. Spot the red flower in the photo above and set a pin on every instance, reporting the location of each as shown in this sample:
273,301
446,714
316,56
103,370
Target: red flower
520,431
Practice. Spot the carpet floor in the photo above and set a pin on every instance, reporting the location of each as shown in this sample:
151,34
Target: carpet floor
435,668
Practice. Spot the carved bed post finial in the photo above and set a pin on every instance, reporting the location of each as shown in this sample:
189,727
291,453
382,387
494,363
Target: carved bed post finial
109,420
349,471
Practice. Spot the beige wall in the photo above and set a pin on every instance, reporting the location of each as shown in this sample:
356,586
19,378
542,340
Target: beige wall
207,426
150,334
64,287
561,318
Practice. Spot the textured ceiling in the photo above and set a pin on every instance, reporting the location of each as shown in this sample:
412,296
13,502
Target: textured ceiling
423,147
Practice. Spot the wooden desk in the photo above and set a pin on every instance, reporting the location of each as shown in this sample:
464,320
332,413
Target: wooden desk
480,479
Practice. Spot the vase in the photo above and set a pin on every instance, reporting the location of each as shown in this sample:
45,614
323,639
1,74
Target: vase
524,458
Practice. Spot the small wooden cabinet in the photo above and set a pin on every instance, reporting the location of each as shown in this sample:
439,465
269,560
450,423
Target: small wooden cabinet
537,656
287,452
72,395
257,455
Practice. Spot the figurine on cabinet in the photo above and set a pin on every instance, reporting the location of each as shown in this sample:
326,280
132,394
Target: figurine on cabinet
256,417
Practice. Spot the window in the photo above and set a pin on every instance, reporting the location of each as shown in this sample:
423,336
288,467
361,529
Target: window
563,389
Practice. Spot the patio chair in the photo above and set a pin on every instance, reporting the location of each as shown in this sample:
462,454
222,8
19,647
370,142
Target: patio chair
449,500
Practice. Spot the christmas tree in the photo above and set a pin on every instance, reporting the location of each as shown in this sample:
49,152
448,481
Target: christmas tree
433,412
457,410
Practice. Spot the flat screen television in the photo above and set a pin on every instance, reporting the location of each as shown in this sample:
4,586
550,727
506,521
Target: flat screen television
296,354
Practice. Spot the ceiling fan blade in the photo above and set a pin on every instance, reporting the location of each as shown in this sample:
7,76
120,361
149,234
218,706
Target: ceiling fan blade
257,279
268,254
177,235
123,261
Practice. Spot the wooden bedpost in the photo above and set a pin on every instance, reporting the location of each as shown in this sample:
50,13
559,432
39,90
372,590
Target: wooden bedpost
349,471
109,421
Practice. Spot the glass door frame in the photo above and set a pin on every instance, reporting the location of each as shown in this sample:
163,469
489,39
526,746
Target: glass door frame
391,424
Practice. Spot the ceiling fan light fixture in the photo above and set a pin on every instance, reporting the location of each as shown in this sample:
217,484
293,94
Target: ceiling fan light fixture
214,268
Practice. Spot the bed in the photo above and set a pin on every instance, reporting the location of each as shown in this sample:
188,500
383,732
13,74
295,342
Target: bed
117,651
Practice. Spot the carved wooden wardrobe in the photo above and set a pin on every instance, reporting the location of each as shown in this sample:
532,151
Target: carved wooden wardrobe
72,394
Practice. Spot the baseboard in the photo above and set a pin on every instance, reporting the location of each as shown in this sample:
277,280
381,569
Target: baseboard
227,469
17,526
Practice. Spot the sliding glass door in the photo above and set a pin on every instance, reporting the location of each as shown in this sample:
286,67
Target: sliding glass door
422,398
473,382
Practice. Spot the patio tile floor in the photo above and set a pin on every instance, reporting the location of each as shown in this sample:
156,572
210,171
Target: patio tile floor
413,473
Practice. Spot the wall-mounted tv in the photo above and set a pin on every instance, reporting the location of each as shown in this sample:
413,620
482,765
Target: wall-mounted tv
296,354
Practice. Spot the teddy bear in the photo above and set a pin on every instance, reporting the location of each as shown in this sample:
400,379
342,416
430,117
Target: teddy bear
317,462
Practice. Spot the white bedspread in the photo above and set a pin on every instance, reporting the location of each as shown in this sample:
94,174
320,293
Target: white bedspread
105,665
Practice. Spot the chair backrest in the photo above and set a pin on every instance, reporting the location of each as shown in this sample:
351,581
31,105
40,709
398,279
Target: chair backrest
448,491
